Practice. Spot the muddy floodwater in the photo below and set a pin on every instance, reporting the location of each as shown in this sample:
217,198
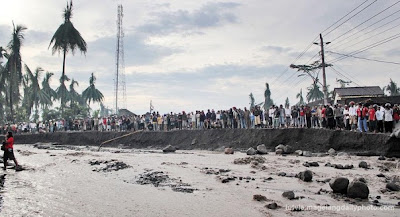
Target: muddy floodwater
81,181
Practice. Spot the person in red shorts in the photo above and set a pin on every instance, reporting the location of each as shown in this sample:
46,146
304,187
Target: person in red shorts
9,150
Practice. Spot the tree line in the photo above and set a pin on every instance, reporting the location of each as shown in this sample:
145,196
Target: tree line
23,92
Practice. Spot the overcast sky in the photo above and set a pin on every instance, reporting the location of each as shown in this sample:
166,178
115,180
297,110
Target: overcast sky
188,55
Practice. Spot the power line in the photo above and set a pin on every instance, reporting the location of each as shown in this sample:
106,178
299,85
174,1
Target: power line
384,41
351,76
308,47
352,16
366,21
363,58
336,44
344,16
368,33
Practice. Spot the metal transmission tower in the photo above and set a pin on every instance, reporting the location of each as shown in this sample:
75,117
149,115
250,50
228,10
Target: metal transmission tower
119,81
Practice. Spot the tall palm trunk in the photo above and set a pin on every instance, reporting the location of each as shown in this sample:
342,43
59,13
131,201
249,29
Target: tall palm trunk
11,89
62,81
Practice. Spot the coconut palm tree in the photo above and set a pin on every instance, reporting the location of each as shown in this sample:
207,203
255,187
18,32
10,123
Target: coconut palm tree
37,96
300,97
14,67
392,88
62,91
47,89
73,96
66,39
314,93
92,94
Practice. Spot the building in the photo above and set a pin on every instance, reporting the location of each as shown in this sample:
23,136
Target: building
346,94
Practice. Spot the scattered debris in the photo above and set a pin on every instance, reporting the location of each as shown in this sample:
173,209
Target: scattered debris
248,160
272,206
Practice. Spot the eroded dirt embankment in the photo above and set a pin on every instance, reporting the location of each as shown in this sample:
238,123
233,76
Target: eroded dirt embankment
316,140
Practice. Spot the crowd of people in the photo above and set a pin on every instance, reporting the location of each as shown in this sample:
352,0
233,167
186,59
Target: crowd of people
361,117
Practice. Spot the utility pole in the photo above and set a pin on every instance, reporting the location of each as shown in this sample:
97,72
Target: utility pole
324,88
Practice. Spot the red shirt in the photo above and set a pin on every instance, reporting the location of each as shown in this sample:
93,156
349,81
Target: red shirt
323,112
372,114
10,143
362,112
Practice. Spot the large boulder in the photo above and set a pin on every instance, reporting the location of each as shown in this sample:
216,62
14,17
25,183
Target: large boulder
279,151
393,186
357,189
331,151
305,176
288,149
307,153
261,149
280,146
339,185
288,194
169,149
298,152
229,151
363,164
251,151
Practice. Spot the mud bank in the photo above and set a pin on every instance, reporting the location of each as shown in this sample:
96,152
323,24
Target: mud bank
315,140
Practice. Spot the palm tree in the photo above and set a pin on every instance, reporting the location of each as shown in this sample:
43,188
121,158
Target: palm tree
37,95
392,88
62,92
66,39
300,97
91,93
14,67
47,89
73,96
314,93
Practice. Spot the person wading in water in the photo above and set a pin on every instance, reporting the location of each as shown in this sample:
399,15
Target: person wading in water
8,147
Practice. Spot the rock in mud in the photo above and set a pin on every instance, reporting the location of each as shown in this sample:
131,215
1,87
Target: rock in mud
261,149
288,149
298,152
393,186
259,197
363,164
279,151
358,189
311,164
289,195
114,166
381,158
307,153
331,151
194,141
280,146
251,151
169,149
381,175
305,176
281,174
272,206
229,151
361,179
339,185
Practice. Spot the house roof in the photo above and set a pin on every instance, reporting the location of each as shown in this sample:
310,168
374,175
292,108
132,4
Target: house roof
359,91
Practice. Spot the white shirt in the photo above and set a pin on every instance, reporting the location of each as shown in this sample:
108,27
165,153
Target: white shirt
271,113
388,115
353,111
288,112
346,113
